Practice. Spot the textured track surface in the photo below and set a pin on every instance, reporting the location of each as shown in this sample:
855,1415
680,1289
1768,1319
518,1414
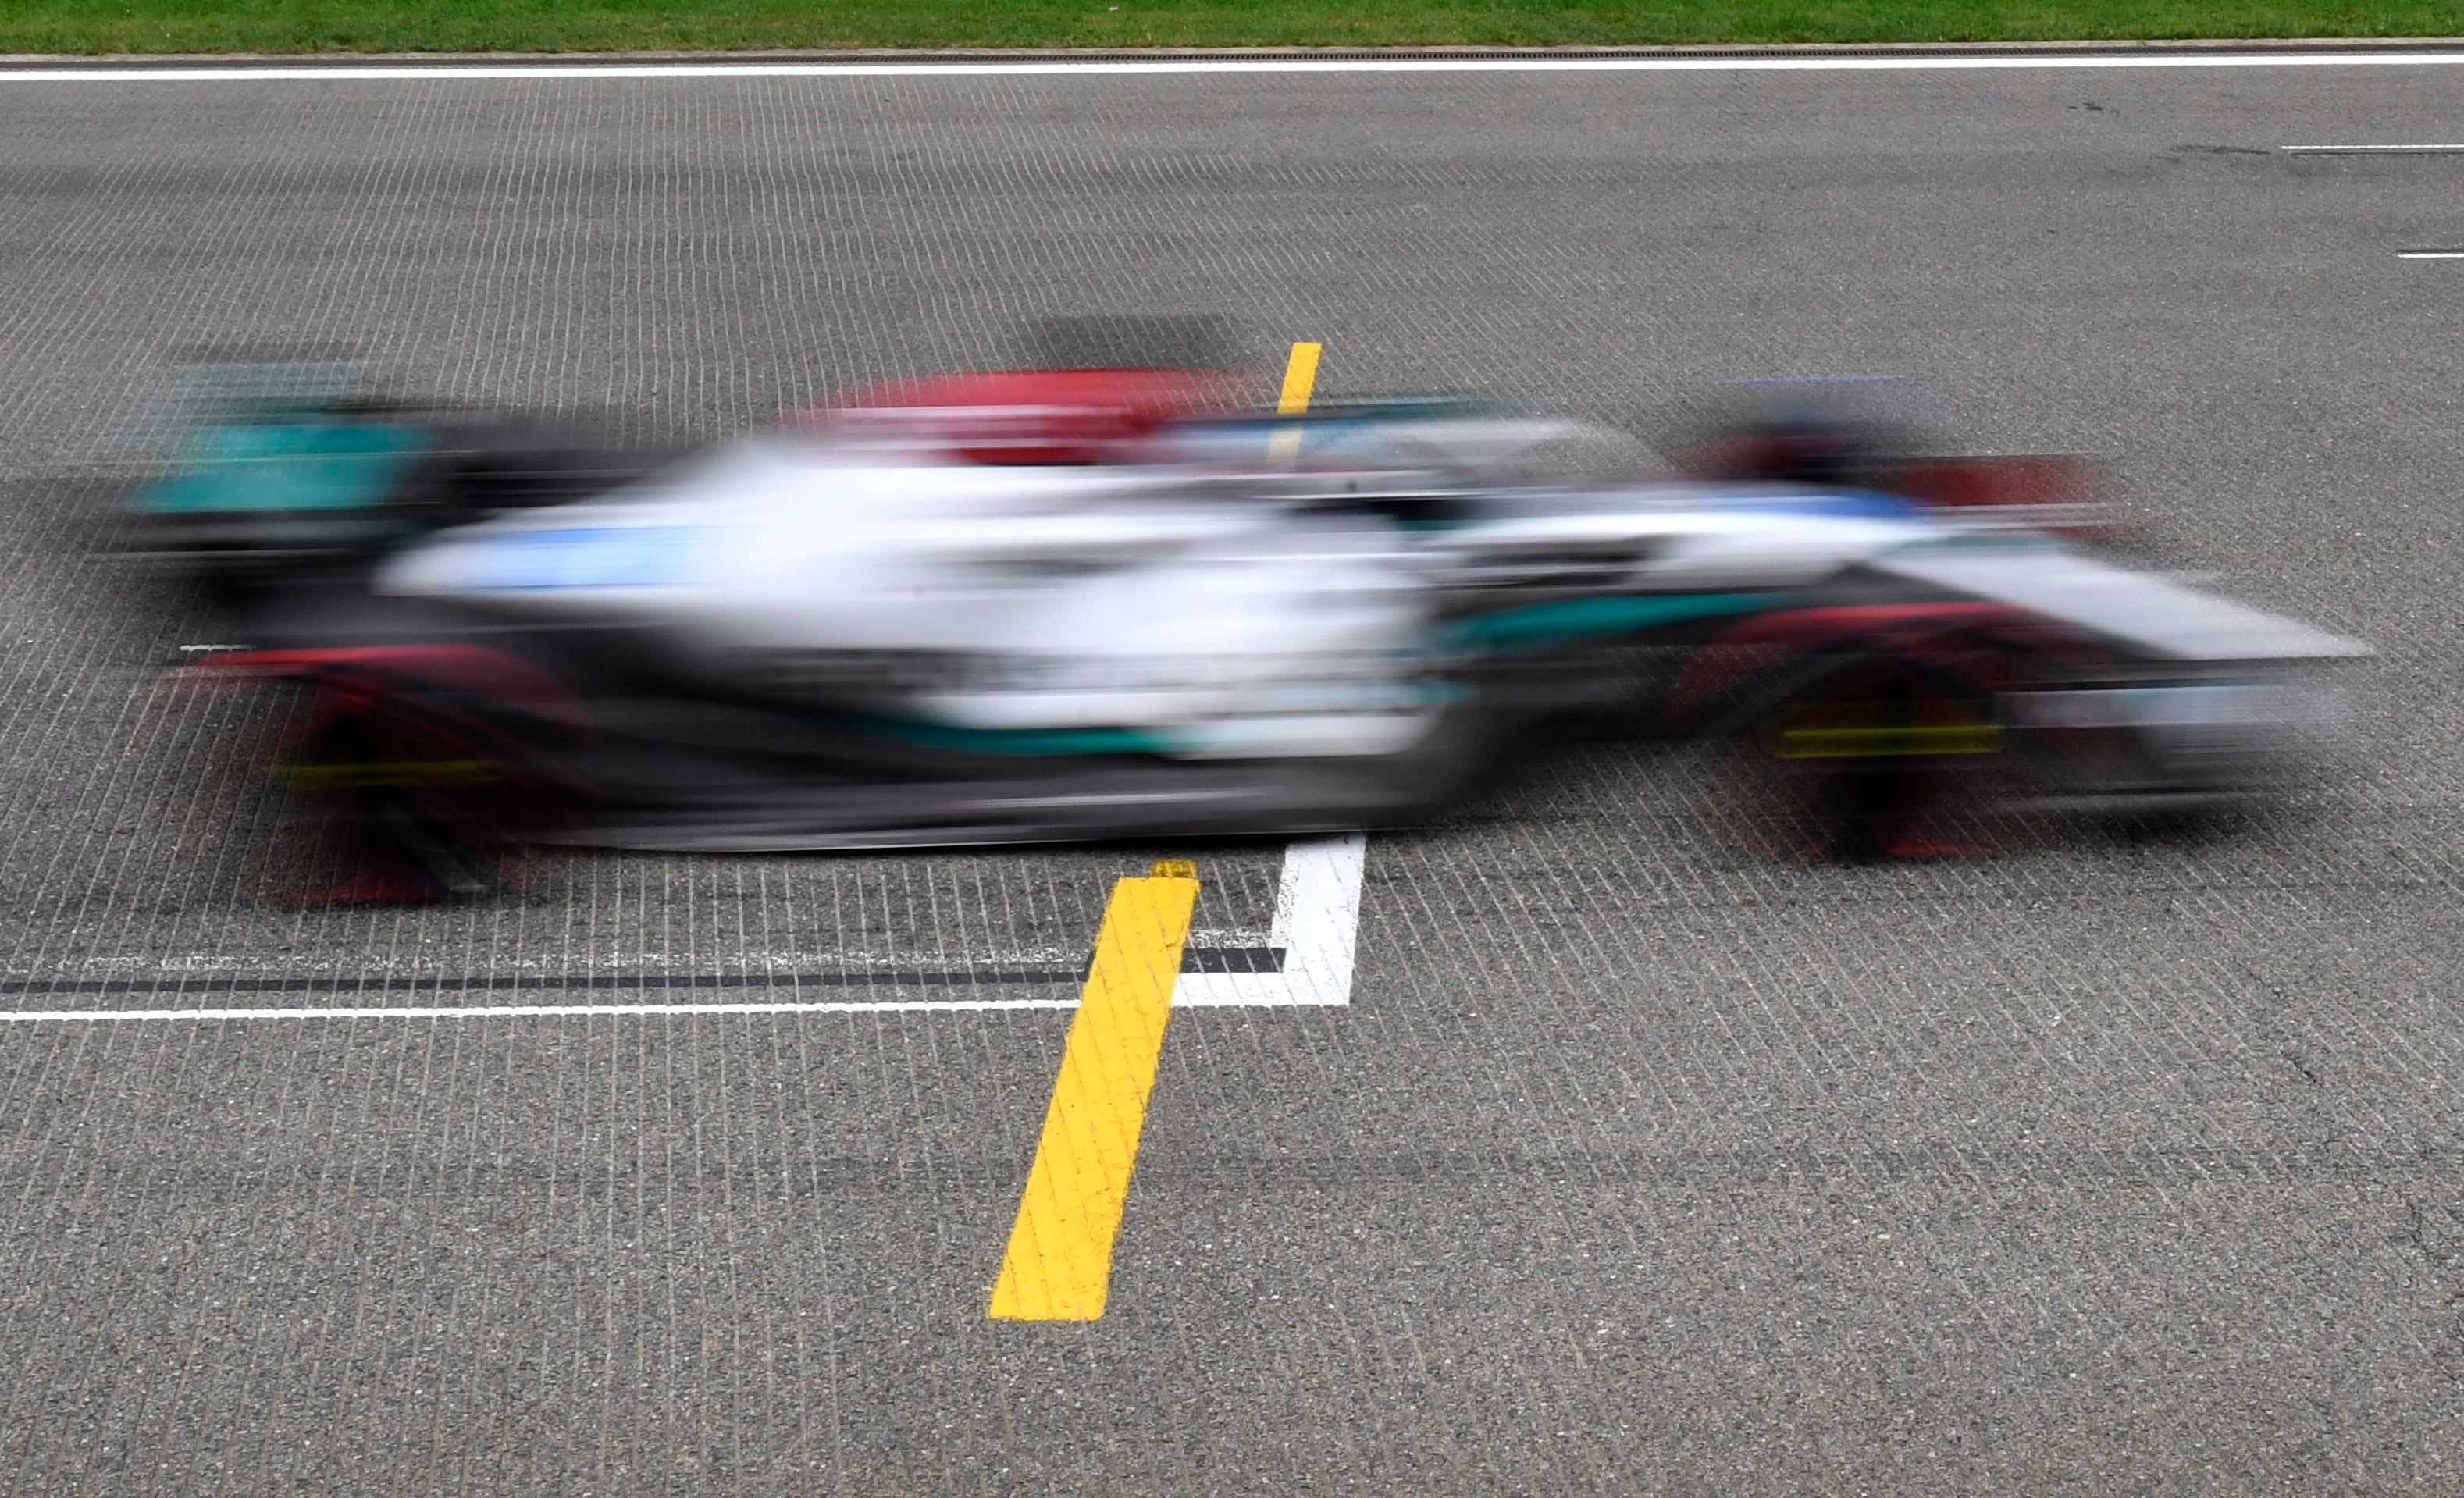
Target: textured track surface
1636,1163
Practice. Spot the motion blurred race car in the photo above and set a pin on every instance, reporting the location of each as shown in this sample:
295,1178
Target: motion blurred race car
1093,604
278,474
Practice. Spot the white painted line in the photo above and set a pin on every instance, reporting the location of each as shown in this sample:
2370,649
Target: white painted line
2362,150
1316,925
2429,255
481,1011
1053,67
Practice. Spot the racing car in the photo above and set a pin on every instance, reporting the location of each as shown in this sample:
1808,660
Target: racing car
271,476
1096,603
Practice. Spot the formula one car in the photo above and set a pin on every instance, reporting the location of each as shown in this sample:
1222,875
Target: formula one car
271,476
956,614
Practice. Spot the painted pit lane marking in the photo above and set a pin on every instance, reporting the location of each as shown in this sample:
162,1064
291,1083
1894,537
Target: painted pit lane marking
1316,928
1307,961
1300,378
2429,255
1093,68
1059,1262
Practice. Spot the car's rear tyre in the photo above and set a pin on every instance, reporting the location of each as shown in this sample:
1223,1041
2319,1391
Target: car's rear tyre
301,794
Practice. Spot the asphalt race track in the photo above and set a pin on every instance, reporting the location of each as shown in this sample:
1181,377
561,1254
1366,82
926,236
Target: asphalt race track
1637,1161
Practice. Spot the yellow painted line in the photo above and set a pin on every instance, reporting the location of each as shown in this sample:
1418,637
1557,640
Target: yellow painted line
1856,744
408,772
1060,1261
1300,378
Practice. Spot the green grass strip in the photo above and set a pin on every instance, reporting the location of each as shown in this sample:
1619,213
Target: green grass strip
277,25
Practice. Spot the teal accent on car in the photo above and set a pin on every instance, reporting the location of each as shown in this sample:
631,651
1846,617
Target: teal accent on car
1536,625
1002,740
255,467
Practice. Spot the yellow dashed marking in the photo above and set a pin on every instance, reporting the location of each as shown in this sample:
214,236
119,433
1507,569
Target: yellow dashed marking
1059,1264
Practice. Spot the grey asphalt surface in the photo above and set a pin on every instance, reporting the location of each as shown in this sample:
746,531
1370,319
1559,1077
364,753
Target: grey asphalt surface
1638,1163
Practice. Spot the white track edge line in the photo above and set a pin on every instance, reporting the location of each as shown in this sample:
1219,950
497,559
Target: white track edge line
481,71
518,1011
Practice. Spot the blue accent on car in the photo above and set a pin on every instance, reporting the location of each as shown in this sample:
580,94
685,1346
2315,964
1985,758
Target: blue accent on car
287,466
1845,504
582,557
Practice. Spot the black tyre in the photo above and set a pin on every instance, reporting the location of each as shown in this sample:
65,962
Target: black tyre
1906,753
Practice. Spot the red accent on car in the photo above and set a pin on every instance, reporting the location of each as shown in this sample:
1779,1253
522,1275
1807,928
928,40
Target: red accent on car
1758,643
490,674
2028,481
1027,416
1802,626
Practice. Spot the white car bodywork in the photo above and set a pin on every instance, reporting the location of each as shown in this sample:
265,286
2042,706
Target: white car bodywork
1209,610
1005,598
